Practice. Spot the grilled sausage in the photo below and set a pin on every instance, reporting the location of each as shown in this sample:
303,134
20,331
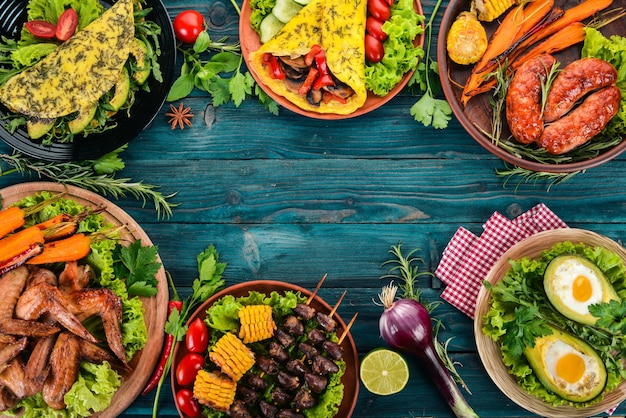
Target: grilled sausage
583,123
575,81
523,99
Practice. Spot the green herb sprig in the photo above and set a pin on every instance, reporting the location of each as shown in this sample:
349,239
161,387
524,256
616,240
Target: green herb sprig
95,175
429,110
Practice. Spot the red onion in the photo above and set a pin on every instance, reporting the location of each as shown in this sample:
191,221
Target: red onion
405,326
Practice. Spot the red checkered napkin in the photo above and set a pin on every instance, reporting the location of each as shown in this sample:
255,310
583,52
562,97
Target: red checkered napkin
467,258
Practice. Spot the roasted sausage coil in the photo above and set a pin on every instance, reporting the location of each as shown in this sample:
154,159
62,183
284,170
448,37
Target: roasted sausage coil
577,79
523,99
582,123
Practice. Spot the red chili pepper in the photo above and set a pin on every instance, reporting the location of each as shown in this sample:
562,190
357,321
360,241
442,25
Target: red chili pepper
308,81
177,304
328,96
276,71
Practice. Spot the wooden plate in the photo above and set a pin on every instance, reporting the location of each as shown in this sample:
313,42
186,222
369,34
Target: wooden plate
143,362
350,379
250,42
476,116
489,351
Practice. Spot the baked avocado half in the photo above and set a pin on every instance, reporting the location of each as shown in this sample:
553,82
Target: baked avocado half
573,283
567,366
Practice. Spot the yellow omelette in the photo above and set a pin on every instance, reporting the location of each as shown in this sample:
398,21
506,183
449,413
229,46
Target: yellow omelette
339,27
75,75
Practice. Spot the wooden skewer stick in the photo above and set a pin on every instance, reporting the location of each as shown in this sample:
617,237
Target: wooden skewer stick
319,284
345,331
332,312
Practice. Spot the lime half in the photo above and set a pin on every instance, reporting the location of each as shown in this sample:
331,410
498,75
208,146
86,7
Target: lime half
384,372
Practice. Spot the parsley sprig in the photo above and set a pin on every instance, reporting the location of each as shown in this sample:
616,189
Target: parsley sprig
429,110
216,67
138,265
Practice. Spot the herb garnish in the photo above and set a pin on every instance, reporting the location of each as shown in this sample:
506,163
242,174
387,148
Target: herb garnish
429,110
139,266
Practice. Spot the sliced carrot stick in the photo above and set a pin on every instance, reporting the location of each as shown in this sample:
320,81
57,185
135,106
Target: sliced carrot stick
17,243
69,249
515,24
577,13
564,38
11,219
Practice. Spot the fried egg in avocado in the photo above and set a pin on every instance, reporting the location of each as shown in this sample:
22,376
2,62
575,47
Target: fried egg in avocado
573,283
567,366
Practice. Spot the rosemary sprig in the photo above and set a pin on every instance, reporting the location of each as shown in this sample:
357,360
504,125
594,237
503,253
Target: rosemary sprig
95,175
528,176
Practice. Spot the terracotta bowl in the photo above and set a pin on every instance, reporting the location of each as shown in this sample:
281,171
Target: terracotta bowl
476,116
489,351
250,42
350,379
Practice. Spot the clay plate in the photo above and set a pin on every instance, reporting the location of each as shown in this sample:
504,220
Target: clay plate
477,114
350,379
250,42
489,351
143,362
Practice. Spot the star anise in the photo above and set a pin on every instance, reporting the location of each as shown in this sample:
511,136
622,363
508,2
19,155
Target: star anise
179,116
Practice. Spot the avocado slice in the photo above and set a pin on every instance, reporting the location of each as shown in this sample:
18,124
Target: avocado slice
37,128
139,51
78,124
567,366
573,283
122,88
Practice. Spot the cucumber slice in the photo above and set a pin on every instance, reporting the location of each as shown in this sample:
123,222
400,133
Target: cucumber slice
284,10
269,26
302,2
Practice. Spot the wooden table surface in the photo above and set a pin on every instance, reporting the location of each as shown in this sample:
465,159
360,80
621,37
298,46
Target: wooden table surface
290,198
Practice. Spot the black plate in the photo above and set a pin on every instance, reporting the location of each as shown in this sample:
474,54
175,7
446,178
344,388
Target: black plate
143,111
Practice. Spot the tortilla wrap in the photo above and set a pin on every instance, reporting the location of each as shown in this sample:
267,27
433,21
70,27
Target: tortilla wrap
338,26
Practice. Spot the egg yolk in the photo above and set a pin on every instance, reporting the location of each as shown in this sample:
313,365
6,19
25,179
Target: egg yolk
581,289
570,367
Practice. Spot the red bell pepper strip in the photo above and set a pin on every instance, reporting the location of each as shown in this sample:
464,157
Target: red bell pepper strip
276,71
177,304
308,81
328,96
310,56
325,79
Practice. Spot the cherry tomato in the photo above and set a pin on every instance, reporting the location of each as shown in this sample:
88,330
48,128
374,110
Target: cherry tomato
67,24
188,367
374,50
187,404
197,338
379,9
374,27
188,25
41,28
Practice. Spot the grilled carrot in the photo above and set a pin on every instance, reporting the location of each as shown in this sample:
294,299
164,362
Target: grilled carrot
73,248
11,219
516,24
17,243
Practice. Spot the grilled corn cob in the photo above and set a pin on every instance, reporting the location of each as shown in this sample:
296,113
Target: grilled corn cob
467,39
489,10
232,356
214,390
257,323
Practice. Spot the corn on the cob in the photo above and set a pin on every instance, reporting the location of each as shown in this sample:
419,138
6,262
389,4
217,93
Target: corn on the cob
467,39
214,390
232,356
256,322
489,10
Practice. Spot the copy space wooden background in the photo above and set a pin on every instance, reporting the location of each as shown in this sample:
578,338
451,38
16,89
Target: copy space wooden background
291,198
